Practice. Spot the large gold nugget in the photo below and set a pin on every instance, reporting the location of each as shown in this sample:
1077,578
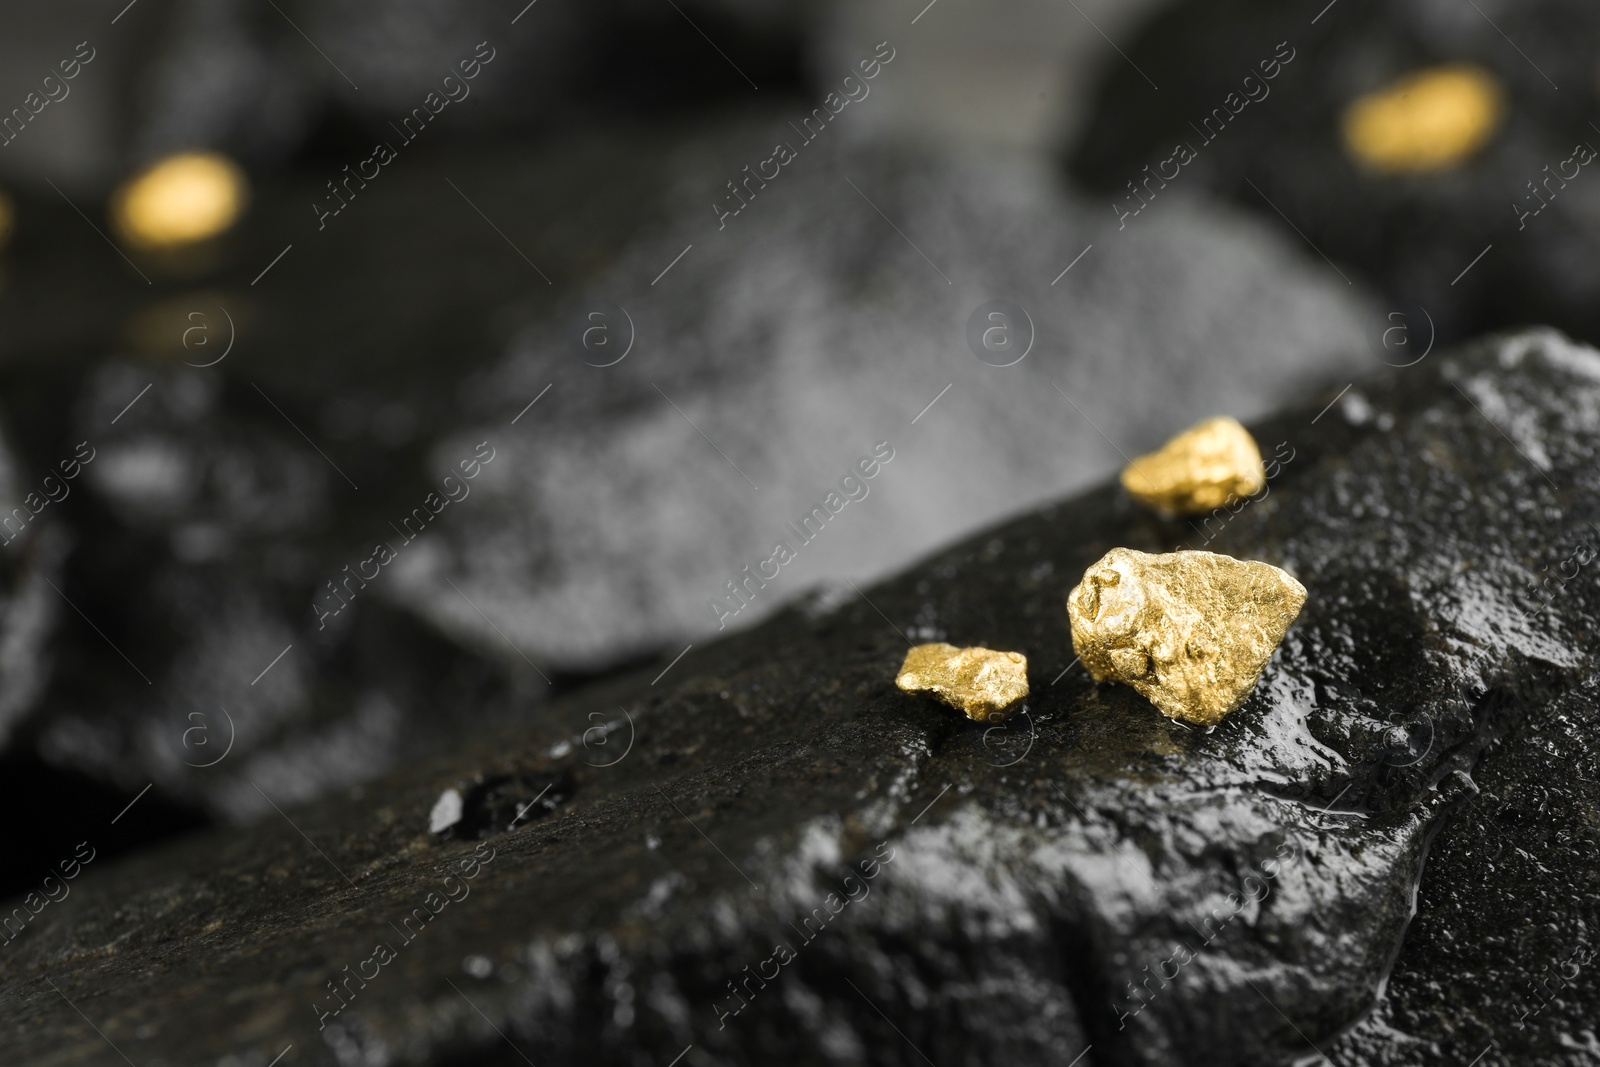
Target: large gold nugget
1201,469
979,681
1191,631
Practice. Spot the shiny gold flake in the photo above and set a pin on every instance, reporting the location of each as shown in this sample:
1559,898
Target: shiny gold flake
1191,631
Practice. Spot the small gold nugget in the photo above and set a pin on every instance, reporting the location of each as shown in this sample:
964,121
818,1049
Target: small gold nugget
1200,469
979,681
1191,631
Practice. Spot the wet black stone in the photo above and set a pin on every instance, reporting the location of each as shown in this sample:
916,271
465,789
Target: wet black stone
944,891
1281,156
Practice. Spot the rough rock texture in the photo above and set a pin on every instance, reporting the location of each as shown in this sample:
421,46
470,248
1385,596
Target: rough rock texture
1412,236
1022,880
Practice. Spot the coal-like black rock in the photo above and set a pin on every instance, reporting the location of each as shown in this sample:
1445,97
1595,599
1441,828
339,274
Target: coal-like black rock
1273,145
767,854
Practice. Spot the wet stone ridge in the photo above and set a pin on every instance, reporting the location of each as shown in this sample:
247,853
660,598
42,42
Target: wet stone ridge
774,856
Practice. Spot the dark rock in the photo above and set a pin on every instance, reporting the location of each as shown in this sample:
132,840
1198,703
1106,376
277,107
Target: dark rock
1022,882
1412,236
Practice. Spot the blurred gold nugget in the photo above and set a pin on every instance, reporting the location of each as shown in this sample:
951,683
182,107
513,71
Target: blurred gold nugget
981,682
1429,120
1201,469
182,200
1191,631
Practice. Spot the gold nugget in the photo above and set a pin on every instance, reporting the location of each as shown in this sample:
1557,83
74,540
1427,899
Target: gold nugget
179,201
979,681
1199,470
1191,631
1430,120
